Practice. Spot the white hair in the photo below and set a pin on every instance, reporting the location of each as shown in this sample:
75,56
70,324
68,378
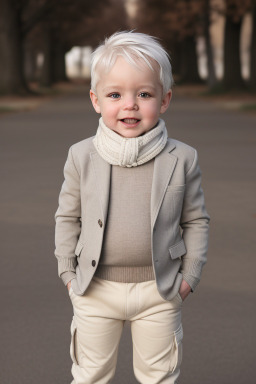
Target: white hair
133,46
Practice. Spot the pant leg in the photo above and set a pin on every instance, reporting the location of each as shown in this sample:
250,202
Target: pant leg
157,337
96,330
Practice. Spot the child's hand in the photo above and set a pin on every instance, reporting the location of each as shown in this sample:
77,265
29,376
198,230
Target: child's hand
69,285
185,289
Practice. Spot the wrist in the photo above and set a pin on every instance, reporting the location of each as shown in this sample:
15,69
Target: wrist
69,284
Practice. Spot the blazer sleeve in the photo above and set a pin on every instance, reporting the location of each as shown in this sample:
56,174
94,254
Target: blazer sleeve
195,226
68,221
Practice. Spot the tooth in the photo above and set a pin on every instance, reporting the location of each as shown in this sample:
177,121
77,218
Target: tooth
130,121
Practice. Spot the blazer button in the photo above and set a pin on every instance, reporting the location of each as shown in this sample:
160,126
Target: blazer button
93,263
100,223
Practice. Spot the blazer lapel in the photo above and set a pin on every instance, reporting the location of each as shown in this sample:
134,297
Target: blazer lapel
164,166
102,171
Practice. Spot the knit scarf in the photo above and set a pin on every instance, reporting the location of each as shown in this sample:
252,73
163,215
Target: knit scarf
129,152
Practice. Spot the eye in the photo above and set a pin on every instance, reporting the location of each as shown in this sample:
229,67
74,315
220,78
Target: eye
114,95
144,95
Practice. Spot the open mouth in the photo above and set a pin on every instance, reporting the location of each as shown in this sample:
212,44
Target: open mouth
130,121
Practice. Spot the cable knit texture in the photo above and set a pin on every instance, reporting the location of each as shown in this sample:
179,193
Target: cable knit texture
129,152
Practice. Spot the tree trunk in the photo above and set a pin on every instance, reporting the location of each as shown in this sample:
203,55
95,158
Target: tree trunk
30,63
189,63
59,63
232,78
175,53
47,75
252,80
211,78
11,60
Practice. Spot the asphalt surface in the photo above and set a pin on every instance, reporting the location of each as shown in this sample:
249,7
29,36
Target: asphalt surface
218,318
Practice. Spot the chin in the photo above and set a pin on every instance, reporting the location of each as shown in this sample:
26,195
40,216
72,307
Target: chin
132,135
128,135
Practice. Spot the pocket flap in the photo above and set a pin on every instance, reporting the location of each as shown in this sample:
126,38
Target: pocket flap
79,248
178,249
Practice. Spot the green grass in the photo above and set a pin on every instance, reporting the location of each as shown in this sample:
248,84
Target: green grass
6,109
248,107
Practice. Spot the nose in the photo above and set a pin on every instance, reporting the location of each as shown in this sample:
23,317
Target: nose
130,104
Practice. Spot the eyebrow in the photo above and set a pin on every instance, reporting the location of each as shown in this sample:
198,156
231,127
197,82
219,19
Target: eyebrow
110,87
117,87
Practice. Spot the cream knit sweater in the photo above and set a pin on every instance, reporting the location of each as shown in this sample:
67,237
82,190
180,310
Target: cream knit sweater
126,252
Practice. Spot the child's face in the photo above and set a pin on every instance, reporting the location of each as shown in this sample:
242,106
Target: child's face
130,99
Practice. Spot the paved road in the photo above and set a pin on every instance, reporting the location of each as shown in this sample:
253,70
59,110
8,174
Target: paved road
219,318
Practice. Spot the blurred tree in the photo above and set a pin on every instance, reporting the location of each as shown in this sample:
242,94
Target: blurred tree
252,80
190,25
13,30
52,26
11,78
81,23
114,18
209,18
178,24
234,12
59,31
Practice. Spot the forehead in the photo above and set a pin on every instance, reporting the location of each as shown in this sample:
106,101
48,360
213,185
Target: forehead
123,71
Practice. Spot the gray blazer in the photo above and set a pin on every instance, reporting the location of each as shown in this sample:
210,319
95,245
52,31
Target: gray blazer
179,221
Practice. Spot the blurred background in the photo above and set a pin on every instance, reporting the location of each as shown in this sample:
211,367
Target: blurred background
43,42
45,48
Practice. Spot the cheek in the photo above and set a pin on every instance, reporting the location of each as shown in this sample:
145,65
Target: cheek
110,110
151,110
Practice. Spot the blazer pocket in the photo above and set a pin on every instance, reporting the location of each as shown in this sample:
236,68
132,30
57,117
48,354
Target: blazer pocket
178,249
79,248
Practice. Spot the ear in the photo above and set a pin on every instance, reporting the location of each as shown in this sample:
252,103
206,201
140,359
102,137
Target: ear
166,101
95,101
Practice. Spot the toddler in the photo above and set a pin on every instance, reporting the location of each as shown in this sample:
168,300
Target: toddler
131,226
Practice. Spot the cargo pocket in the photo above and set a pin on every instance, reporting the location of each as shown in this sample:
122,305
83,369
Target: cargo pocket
73,346
176,355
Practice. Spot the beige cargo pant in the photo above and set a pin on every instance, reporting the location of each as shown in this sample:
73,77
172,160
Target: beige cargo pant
97,326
